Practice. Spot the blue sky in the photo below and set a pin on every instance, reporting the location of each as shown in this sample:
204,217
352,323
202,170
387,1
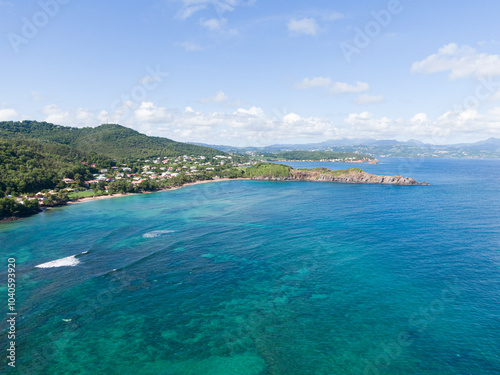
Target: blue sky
255,72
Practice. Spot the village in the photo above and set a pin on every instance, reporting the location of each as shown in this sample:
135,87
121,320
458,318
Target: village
140,173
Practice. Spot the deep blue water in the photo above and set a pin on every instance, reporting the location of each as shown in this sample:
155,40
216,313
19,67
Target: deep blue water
250,277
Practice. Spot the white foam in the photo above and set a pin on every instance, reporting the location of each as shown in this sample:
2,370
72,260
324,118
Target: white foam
157,233
64,262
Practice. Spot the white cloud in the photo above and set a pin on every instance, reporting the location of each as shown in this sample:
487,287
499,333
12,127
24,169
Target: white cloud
314,82
252,112
304,26
461,62
55,114
148,112
419,118
252,126
79,117
450,127
335,88
346,88
190,7
292,118
219,97
84,115
366,99
7,114
214,24
188,11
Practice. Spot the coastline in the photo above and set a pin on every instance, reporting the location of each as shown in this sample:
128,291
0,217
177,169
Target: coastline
363,178
119,195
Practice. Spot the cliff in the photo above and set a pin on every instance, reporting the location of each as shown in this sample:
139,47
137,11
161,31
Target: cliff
349,176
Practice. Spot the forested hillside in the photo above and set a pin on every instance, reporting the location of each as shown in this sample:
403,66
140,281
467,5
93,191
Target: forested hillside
115,141
30,166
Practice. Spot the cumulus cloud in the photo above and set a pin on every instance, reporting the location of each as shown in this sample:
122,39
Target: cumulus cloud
252,126
79,117
84,115
419,118
449,127
304,26
292,118
335,88
219,97
55,114
149,113
7,114
460,61
366,99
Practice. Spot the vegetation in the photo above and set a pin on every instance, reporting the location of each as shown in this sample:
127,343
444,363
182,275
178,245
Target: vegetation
111,140
9,207
268,170
335,173
30,166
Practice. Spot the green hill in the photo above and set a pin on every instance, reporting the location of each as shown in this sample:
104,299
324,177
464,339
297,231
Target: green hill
268,170
112,140
29,166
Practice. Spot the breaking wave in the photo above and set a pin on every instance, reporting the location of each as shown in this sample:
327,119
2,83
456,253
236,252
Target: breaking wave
70,261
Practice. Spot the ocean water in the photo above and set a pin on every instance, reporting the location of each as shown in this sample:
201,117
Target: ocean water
250,278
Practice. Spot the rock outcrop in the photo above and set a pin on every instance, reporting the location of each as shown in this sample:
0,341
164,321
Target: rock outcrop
349,177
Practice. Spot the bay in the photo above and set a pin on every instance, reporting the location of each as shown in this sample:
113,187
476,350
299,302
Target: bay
252,277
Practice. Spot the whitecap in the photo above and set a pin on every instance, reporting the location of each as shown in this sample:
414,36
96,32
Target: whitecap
64,262
157,233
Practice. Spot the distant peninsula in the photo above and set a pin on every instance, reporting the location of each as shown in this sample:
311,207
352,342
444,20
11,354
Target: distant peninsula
280,172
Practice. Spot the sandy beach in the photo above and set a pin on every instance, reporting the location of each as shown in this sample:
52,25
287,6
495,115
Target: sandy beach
99,197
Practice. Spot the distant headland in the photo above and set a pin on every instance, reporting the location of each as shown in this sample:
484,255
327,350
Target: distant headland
280,172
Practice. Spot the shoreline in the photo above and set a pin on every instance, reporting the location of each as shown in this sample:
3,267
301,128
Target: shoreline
119,195
366,179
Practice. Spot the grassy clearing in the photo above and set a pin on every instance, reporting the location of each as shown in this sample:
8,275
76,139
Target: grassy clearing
83,194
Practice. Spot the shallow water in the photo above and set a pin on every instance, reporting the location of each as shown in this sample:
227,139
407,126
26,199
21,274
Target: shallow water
251,277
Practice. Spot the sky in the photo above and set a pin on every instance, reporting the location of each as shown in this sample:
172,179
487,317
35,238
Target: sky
255,72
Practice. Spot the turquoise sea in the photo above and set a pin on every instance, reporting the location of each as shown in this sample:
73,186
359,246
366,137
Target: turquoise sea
254,278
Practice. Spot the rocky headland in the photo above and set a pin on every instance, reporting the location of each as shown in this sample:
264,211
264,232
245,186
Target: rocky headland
348,176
